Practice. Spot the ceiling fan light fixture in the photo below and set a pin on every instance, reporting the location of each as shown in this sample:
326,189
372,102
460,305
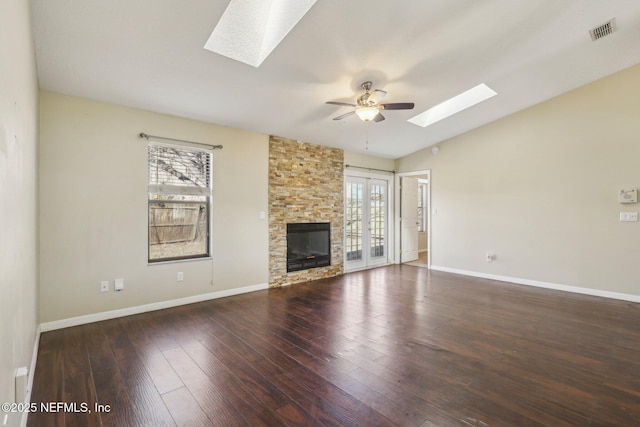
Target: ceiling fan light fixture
367,114
368,106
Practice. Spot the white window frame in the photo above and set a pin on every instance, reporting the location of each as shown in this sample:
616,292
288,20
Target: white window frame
205,192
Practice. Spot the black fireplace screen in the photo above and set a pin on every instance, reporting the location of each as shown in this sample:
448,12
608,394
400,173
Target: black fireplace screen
308,245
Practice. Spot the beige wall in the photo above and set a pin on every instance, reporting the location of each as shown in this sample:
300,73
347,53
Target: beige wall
93,201
18,196
539,188
364,160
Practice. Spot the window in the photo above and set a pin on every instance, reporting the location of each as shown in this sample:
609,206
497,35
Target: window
179,201
422,206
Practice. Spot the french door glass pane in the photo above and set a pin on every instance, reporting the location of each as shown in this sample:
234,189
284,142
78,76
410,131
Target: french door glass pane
377,216
353,220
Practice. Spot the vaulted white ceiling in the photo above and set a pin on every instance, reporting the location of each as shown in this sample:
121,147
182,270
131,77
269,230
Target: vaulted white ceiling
150,54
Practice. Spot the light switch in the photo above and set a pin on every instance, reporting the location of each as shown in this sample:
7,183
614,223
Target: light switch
119,284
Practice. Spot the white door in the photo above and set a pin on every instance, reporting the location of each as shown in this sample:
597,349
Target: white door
409,219
366,222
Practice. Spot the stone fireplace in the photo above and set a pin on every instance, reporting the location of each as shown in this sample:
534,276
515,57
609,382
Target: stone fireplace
305,187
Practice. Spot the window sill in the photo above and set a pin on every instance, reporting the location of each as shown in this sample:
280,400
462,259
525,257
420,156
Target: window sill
175,261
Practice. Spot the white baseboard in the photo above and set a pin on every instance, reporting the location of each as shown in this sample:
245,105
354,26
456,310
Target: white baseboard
106,315
538,284
32,371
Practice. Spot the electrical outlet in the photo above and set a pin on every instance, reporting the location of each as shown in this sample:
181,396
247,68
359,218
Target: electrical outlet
104,286
180,276
490,256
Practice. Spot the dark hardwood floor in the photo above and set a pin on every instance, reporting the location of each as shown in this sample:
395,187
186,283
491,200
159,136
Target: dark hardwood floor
397,345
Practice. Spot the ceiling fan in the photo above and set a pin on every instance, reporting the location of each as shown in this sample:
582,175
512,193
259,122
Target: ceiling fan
368,106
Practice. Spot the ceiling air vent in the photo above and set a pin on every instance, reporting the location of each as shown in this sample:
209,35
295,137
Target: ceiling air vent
603,30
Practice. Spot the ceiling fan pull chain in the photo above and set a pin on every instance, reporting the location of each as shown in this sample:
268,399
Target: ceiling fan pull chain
366,145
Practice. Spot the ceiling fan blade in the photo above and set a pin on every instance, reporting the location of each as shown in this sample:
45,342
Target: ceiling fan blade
376,96
340,103
378,118
345,115
398,106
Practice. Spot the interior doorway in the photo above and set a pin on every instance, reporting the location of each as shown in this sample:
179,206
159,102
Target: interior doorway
414,220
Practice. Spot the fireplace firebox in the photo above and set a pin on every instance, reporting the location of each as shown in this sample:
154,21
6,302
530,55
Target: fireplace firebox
308,245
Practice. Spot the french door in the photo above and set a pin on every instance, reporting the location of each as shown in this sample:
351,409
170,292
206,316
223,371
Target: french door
366,222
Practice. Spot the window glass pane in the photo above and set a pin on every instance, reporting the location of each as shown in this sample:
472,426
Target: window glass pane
179,166
422,193
178,227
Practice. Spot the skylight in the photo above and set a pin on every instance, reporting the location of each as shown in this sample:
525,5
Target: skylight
453,105
249,30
